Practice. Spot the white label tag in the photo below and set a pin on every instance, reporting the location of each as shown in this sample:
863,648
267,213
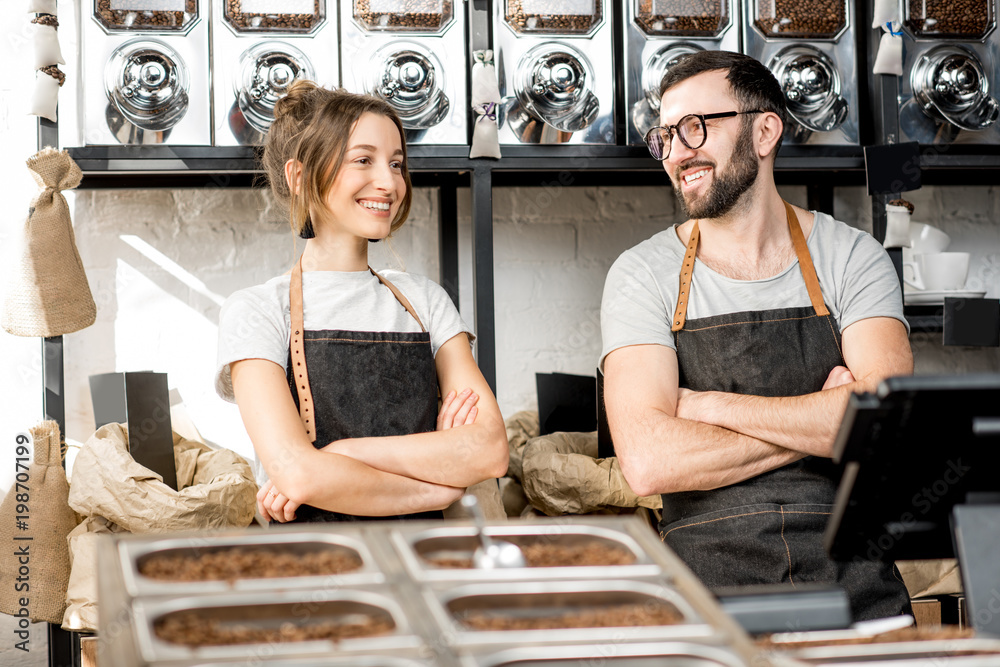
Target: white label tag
147,6
277,7
560,7
400,7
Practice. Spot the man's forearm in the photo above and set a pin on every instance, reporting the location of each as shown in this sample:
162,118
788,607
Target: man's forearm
663,454
806,424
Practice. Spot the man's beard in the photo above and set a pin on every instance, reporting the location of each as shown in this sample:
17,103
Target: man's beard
729,186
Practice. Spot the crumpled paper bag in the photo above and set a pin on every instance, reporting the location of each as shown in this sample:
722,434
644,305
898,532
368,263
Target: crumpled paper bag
81,594
217,488
561,474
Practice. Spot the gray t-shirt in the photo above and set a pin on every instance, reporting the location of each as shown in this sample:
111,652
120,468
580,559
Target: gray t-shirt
255,322
855,274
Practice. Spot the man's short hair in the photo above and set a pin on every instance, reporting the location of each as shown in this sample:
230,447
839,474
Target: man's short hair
753,84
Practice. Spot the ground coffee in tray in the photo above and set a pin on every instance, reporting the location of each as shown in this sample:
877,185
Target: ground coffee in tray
612,616
245,563
194,629
555,555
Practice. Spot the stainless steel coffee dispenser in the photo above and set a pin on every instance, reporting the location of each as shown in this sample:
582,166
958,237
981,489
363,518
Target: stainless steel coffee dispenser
948,91
412,53
555,67
145,75
809,45
259,48
657,32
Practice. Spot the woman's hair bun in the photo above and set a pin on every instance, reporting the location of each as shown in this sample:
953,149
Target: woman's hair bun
296,99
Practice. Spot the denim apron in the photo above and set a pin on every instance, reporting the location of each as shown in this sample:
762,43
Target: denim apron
363,384
768,529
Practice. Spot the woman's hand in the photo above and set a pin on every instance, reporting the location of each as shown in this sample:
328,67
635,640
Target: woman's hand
273,505
458,410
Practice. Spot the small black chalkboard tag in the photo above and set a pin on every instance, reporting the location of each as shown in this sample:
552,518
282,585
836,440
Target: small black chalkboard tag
892,168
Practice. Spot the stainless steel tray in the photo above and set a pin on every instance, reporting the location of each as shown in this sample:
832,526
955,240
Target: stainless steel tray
273,609
928,653
660,654
132,553
525,599
416,545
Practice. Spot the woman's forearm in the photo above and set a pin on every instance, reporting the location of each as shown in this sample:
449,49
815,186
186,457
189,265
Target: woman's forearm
457,457
341,484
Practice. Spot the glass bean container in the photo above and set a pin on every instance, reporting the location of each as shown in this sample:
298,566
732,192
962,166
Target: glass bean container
950,19
146,15
565,17
403,15
682,18
274,16
800,19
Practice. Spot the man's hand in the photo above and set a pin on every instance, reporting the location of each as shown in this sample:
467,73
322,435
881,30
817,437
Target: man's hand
694,405
273,505
839,376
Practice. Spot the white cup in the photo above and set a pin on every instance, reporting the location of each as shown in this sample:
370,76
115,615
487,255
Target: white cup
923,239
927,239
938,271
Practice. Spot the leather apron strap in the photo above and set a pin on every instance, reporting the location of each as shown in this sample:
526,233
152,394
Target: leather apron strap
801,252
297,342
299,370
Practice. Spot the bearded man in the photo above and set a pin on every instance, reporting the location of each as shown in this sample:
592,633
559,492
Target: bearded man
732,342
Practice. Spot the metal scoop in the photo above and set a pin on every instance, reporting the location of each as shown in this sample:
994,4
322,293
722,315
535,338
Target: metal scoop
491,554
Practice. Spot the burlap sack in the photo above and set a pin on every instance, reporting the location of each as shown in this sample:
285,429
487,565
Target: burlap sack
35,562
217,488
47,292
81,594
561,474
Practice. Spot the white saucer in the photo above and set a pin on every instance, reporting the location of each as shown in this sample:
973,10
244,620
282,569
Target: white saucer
929,298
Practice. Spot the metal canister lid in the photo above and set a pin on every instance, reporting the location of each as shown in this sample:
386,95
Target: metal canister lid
950,84
148,83
554,82
658,64
267,70
410,79
811,83
558,79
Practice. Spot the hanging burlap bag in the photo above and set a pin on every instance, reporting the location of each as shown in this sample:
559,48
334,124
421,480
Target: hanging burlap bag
35,552
47,292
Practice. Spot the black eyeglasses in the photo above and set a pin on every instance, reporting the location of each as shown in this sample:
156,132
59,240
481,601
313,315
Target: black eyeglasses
690,130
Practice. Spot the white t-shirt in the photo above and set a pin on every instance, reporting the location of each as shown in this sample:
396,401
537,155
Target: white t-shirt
855,274
255,322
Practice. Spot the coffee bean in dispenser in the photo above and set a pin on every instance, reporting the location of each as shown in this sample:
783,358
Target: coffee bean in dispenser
405,15
251,16
969,19
556,16
801,18
682,17
159,15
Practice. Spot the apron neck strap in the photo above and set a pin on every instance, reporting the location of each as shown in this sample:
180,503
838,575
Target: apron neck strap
399,297
298,361
805,263
801,252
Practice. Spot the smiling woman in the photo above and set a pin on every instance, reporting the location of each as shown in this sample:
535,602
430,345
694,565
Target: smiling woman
337,369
